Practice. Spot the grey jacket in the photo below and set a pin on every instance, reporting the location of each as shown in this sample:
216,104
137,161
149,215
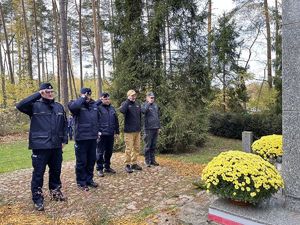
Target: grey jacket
151,116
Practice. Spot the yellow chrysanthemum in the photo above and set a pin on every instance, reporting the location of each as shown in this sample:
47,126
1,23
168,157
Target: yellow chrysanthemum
269,146
242,173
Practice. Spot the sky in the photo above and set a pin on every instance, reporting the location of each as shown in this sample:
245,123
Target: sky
258,62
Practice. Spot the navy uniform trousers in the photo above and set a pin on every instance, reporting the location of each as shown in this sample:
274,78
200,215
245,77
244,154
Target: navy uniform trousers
85,152
150,138
40,159
104,151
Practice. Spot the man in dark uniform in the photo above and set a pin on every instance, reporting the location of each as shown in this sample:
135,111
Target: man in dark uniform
87,118
109,127
152,126
132,130
48,133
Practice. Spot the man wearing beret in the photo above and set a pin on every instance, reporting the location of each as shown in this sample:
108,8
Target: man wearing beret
109,127
152,126
48,133
87,118
132,131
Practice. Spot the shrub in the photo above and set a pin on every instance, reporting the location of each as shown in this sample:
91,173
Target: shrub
242,177
13,121
182,128
232,125
268,147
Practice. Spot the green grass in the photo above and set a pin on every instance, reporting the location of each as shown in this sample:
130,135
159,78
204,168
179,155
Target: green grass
15,155
214,146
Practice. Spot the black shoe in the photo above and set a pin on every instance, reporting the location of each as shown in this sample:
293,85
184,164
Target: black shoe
128,169
39,205
136,167
100,173
57,195
109,170
83,187
147,164
155,163
92,184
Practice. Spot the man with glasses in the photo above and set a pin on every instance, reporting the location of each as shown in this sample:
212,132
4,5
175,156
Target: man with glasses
47,135
151,128
87,118
109,128
132,131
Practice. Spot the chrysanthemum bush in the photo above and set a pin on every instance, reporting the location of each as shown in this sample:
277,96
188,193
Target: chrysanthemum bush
242,177
268,147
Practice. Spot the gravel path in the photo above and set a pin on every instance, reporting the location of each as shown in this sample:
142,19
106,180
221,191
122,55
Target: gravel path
119,197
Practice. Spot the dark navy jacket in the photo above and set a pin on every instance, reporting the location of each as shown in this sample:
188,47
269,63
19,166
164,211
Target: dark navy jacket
151,118
86,117
132,114
48,125
109,123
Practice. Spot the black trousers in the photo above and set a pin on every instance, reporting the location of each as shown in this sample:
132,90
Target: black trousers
104,151
150,139
85,152
70,133
40,159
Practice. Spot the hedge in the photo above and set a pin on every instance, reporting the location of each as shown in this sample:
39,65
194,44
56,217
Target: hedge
232,125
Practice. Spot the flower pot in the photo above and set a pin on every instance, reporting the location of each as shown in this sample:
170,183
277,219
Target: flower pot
239,203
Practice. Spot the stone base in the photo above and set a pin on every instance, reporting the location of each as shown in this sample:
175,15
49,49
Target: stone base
271,212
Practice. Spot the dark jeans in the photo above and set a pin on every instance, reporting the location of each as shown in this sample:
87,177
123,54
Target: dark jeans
85,152
40,159
104,151
70,133
150,139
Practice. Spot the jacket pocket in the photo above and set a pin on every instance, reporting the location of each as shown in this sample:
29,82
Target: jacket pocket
84,128
40,137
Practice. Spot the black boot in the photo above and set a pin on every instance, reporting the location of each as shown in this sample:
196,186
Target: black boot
109,170
38,200
128,169
136,167
57,195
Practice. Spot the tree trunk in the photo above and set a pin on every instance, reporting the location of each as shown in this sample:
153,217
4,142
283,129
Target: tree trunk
57,40
37,42
64,53
224,88
52,48
97,47
269,46
164,50
19,54
46,66
209,38
11,75
3,85
111,18
29,55
101,40
80,45
169,43
45,78
72,79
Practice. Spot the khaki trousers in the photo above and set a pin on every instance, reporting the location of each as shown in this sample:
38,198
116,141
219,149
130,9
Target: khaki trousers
132,150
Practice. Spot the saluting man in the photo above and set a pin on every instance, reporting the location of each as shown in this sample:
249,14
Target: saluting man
47,135
86,115
152,126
